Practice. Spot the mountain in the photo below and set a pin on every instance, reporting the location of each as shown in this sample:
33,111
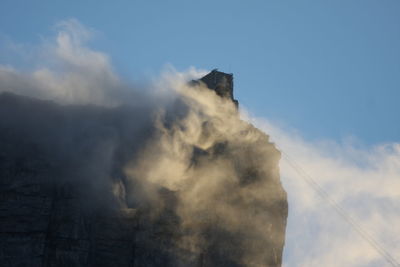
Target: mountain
85,185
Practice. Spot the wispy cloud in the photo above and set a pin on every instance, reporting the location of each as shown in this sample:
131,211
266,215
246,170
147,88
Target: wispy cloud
180,156
363,180
66,70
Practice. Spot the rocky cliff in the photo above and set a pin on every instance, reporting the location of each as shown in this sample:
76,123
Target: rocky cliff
192,185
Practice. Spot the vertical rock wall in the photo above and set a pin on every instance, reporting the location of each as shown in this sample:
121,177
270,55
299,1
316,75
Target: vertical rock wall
66,198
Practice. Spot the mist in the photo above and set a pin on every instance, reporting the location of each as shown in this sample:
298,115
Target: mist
363,179
176,157
166,149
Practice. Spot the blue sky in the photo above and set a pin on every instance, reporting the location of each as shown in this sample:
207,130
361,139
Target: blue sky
328,68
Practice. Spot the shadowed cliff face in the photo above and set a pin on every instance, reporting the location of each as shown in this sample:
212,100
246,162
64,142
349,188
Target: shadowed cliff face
185,183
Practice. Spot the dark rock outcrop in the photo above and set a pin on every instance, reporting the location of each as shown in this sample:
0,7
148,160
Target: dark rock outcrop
60,167
220,82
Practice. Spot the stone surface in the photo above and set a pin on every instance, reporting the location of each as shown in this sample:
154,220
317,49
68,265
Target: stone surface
59,165
220,82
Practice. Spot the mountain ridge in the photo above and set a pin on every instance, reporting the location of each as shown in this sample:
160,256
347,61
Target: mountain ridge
78,188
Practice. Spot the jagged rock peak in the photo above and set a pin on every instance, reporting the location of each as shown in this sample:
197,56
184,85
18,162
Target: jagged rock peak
220,82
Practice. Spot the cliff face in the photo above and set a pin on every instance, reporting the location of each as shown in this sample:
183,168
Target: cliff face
94,186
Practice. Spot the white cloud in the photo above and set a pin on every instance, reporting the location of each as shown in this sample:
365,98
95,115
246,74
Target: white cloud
66,70
364,181
69,72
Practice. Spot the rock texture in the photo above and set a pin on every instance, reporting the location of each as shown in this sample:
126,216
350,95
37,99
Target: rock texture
220,82
61,165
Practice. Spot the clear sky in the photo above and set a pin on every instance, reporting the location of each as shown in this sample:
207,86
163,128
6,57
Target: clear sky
328,68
